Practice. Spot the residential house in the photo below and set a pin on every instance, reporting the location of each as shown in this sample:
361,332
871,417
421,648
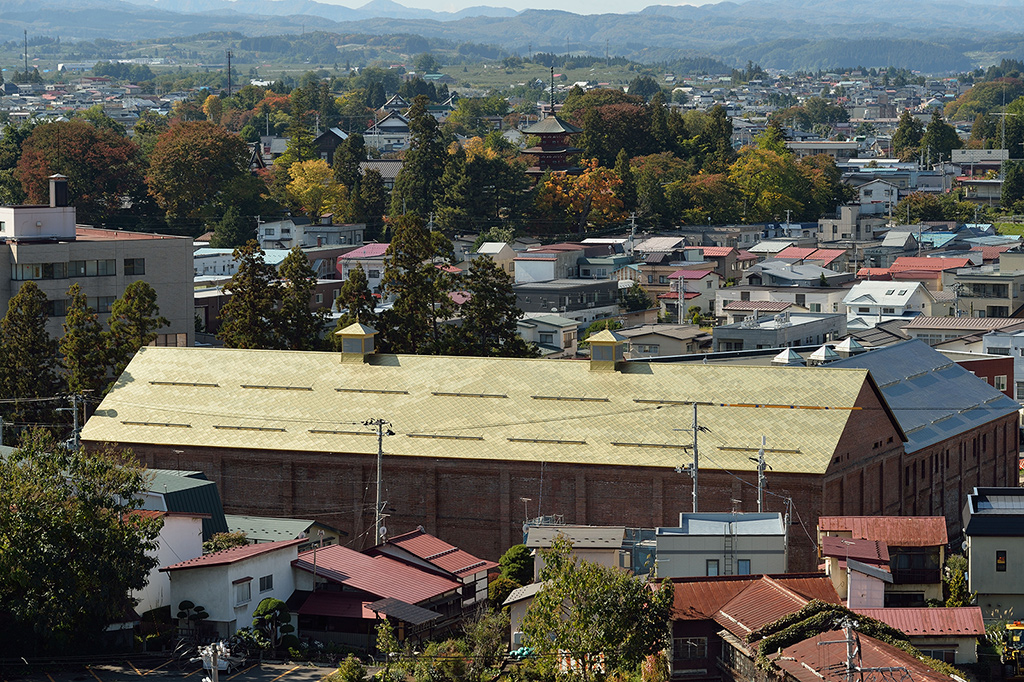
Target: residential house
231,583
602,545
878,197
661,340
502,255
175,491
388,169
832,259
840,151
548,264
390,133
813,299
945,634
994,530
779,331
712,544
553,335
917,551
690,289
44,245
326,142
869,303
181,537
990,291
260,529
518,602
341,593
583,300
737,311
852,224
1008,341
781,273
895,244
724,259
935,330
859,569
371,258
927,270
302,232
422,549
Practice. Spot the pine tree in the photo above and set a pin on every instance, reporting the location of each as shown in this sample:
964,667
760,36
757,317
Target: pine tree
489,316
626,192
906,141
299,326
83,346
231,231
374,198
939,140
454,206
651,197
134,319
355,301
249,319
28,362
418,183
412,277
347,157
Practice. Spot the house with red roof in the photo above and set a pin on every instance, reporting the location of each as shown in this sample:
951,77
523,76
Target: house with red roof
689,288
724,259
371,258
945,634
916,546
833,259
231,583
420,548
340,594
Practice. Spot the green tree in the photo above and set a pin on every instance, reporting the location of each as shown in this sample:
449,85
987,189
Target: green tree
419,288
636,298
72,548
273,619
456,201
374,200
517,564
595,614
939,140
347,157
418,183
626,191
134,319
192,165
955,577
227,540
83,347
231,231
249,319
356,300
499,589
489,316
300,326
1013,183
28,357
906,141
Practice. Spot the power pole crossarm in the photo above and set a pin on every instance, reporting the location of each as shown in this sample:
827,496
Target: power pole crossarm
378,514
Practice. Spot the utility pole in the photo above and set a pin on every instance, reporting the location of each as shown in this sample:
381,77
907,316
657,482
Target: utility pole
74,415
693,469
378,516
762,481
26,55
229,73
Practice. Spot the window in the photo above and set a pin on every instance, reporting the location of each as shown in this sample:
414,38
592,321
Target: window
689,648
815,307
3,226
1000,561
101,304
135,266
373,274
268,231
91,268
56,308
1001,382
26,271
547,338
662,279
743,567
650,279
243,592
267,583
944,654
319,298
712,566
710,283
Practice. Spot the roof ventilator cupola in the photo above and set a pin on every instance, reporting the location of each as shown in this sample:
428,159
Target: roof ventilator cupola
357,342
606,350
822,356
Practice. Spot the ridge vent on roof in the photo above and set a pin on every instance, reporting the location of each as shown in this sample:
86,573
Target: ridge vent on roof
671,446
890,383
917,374
249,428
441,553
441,436
943,418
195,384
447,394
342,433
655,401
915,429
382,391
547,440
994,398
968,409
571,399
278,388
177,426
945,366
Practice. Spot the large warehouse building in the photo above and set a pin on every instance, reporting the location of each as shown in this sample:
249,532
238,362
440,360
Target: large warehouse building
596,442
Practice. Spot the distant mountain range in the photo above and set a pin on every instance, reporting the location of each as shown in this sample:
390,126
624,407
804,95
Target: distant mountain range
928,35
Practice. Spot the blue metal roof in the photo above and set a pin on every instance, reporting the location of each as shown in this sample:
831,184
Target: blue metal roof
932,397
191,491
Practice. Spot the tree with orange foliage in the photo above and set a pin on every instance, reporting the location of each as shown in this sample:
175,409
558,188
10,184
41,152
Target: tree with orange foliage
579,201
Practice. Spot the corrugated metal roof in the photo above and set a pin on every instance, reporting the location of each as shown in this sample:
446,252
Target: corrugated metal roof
191,492
763,602
521,593
894,531
396,608
443,555
961,323
365,251
868,551
662,244
933,398
950,622
692,274
266,529
336,605
232,555
714,251
813,661
700,598
379,575
760,306
927,264
473,408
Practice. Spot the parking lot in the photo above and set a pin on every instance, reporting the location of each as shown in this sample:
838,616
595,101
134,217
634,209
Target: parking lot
128,671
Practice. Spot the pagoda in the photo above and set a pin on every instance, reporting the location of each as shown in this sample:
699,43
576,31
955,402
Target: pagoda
555,148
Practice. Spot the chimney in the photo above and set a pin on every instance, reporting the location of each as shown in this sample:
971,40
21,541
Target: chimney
58,191
606,348
356,342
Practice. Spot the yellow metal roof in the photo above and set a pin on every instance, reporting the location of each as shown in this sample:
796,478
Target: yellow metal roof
477,408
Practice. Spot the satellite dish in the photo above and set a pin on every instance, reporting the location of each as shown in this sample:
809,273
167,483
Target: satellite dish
963,545
383,531
526,527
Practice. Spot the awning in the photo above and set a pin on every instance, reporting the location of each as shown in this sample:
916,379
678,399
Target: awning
404,612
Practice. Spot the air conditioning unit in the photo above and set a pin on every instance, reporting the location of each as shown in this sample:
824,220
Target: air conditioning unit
517,639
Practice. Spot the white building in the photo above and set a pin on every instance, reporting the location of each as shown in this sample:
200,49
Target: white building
181,538
711,544
869,303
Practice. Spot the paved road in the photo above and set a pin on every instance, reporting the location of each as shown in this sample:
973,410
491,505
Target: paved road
128,672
